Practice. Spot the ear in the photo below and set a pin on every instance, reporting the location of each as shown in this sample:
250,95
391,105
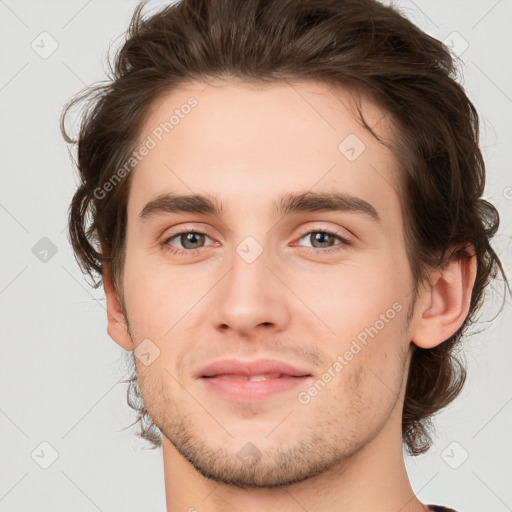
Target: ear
117,327
443,306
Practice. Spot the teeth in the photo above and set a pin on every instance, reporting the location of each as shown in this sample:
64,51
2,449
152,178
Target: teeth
254,377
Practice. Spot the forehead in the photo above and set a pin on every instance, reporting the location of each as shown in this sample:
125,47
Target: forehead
248,142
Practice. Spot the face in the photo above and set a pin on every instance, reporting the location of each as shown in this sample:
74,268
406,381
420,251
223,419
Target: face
320,284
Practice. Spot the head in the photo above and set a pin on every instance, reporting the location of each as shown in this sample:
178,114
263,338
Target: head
266,103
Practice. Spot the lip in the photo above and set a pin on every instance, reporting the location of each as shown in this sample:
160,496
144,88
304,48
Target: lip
251,368
215,378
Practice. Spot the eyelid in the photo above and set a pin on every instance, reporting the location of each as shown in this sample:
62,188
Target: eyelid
183,230
327,229
304,231
187,228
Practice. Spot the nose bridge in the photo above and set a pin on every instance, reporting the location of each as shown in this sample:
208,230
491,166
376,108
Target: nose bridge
249,277
250,294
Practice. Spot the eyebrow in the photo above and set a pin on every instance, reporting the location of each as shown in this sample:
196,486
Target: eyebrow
286,204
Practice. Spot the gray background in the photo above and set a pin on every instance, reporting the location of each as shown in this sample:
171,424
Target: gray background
59,370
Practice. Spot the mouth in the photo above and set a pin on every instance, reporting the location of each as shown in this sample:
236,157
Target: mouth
250,381
259,368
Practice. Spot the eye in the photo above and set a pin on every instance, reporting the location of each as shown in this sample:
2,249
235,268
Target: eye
321,240
191,241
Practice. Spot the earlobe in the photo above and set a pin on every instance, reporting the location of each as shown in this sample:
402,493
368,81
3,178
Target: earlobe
444,305
117,326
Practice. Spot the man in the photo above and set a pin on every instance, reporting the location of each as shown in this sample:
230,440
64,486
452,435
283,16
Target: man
286,213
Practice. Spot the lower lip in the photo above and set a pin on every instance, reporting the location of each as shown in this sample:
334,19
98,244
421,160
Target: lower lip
252,390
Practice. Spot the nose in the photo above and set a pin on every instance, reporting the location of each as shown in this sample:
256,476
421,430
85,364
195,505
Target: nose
251,297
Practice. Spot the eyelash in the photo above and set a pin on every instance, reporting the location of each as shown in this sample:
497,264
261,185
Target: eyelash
189,252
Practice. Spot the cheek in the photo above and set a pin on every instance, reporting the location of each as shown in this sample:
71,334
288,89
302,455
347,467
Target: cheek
365,310
351,296
159,294
363,394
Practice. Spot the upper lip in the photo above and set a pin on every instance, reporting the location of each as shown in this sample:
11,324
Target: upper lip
251,368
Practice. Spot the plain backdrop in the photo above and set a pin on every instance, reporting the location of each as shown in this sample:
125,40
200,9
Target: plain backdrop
62,408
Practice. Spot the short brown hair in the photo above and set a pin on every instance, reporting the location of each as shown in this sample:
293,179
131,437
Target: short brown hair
362,45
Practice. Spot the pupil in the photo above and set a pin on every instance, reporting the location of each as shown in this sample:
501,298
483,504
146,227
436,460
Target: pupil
320,237
189,238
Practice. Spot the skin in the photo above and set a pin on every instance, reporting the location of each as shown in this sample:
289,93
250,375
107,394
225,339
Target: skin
246,146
